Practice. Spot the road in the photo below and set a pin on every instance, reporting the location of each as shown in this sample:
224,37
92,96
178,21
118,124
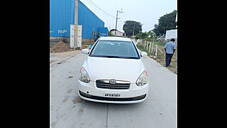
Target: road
67,110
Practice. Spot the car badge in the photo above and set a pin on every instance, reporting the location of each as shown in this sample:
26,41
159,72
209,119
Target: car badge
112,81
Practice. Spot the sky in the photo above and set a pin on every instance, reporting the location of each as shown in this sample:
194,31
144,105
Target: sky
147,12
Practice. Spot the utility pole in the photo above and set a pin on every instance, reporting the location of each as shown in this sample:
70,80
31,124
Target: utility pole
116,20
76,23
133,29
76,13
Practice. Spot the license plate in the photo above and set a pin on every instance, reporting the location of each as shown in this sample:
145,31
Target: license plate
112,95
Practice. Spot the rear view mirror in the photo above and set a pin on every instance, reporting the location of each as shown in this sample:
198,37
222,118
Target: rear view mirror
85,51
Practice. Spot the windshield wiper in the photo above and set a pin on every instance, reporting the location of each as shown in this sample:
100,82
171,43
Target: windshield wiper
105,56
110,56
131,57
118,57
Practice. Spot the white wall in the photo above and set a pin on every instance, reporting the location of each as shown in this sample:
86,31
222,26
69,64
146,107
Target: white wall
171,34
117,33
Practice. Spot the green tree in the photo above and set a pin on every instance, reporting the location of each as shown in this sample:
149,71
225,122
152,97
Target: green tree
146,35
166,22
132,26
141,35
151,34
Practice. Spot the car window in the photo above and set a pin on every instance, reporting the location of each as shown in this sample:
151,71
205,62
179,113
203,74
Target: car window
115,49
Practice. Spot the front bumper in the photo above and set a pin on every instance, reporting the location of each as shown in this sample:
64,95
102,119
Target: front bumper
135,94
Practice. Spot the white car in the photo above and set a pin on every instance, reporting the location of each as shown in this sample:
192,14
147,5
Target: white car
113,72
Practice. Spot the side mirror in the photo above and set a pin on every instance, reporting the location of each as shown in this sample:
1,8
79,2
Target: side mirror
90,46
143,54
85,51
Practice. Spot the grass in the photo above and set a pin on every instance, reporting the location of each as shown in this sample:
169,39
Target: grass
173,65
159,43
140,47
161,56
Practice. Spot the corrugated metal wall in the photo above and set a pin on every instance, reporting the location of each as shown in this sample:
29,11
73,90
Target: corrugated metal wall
89,21
62,15
103,31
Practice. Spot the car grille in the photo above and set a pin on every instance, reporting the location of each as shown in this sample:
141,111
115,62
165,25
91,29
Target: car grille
119,84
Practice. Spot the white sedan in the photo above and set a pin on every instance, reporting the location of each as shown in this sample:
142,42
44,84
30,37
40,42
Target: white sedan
113,72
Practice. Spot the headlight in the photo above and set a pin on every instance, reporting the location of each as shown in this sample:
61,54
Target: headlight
143,79
84,77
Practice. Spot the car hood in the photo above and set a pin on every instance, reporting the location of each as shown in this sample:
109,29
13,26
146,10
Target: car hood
113,68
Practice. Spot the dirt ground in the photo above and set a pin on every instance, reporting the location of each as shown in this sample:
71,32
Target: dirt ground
161,57
173,65
60,47
61,50
57,57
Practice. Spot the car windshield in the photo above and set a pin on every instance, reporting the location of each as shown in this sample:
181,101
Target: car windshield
115,49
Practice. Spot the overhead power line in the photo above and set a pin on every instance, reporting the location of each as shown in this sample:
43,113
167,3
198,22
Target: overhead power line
90,1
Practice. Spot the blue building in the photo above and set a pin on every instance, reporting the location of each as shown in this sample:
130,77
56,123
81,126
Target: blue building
62,15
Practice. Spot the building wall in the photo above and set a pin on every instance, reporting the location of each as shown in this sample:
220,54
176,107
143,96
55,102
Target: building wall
118,33
89,21
62,15
103,31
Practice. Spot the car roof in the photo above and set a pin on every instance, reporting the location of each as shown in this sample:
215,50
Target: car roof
115,38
